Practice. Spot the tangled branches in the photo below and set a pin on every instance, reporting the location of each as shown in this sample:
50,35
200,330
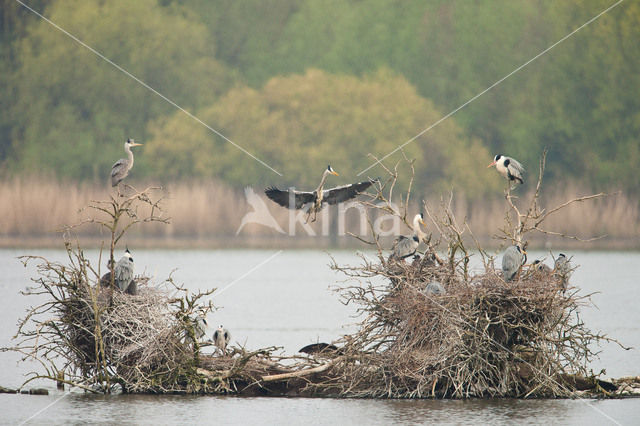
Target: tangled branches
436,328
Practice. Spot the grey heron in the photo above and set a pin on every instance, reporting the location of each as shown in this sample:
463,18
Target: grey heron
563,269
221,338
434,288
538,265
512,260
200,326
123,272
403,246
314,200
509,168
121,168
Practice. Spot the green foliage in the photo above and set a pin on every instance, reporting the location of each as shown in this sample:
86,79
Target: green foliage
225,60
72,110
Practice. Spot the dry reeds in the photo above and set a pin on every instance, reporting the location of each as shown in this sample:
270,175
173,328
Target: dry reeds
36,207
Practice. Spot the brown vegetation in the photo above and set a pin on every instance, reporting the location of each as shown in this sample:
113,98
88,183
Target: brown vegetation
208,213
477,336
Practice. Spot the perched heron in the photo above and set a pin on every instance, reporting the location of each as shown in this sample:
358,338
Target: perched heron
321,349
509,168
314,200
563,269
121,168
434,288
539,266
512,260
404,247
221,338
123,272
200,326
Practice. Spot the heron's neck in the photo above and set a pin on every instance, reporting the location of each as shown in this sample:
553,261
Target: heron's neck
130,156
322,181
417,231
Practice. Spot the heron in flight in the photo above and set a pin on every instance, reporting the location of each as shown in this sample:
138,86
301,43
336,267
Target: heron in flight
121,168
403,246
512,260
221,338
509,168
314,200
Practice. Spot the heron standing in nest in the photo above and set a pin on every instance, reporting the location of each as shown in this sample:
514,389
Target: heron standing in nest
512,260
121,168
403,246
314,200
123,275
221,338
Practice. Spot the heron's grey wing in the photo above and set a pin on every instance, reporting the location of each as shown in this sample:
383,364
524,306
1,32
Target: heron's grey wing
124,273
282,197
511,261
215,336
404,247
118,171
516,165
345,192
227,335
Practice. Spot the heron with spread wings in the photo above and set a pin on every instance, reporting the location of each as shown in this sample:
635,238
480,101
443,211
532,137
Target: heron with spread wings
313,201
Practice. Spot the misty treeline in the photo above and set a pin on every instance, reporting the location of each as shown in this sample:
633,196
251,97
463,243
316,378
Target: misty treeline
304,83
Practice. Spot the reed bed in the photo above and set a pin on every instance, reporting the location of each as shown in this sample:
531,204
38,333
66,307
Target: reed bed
203,212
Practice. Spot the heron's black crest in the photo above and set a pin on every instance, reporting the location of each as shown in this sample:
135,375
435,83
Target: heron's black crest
497,157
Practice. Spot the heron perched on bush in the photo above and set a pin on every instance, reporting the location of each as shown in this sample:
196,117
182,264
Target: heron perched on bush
563,269
512,260
121,168
221,338
509,168
314,200
403,246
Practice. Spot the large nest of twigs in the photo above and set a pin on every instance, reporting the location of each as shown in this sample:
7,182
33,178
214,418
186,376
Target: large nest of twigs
484,337
99,336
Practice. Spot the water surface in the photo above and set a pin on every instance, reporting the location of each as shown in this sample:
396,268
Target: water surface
287,302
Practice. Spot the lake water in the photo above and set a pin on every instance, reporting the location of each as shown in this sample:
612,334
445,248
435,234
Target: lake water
283,298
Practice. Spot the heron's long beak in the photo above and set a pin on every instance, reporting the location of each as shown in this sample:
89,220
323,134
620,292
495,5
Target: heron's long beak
422,222
136,144
492,164
333,172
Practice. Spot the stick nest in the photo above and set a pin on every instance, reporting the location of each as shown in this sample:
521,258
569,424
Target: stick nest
483,338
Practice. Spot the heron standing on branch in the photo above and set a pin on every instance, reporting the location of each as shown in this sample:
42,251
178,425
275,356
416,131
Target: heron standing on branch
509,168
404,247
314,200
121,168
